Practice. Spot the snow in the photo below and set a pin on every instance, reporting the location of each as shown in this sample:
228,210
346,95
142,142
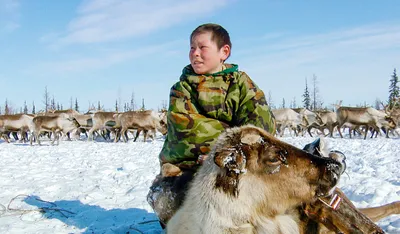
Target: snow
101,187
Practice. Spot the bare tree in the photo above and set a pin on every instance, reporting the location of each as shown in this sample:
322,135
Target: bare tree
119,99
25,108
143,106
46,99
33,108
316,99
269,100
53,103
99,107
91,106
76,104
116,105
293,103
378,104
7,109
133,103
164,105
71,103
283,103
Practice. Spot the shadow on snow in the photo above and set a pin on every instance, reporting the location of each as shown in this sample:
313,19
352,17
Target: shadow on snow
95,219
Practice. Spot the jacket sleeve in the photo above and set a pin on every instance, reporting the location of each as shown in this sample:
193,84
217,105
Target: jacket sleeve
190,133
253,107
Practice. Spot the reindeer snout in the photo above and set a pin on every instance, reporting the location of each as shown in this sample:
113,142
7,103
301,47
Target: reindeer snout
340,158
335,166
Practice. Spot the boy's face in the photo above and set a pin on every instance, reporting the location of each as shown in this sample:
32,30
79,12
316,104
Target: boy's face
204,55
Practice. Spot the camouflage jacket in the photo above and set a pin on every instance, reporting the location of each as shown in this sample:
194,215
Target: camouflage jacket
202,106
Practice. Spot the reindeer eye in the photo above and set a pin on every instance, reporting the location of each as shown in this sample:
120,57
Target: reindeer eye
283,153
274,160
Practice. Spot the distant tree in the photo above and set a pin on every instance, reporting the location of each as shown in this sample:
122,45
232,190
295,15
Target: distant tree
164,105
33,108
125,107
7,110
378,104
119,93
269,100
70,103
133,103
46,99
58,106
394,92
98,105
293,103
364,104
90,107
143,106
25,108
316,99
61,107
76,104
116,105
306,98
283,103
53,103
0,110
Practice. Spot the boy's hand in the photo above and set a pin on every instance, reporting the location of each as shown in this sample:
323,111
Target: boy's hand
201,158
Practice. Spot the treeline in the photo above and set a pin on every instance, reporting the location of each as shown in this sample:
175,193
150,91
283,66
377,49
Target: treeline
49,103
312,100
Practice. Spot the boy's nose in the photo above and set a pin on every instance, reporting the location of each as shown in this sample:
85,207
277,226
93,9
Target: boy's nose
196,52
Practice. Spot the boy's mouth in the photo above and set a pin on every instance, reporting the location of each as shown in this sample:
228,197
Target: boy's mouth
197,62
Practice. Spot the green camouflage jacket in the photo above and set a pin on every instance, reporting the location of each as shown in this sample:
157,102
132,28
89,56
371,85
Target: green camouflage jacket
202,106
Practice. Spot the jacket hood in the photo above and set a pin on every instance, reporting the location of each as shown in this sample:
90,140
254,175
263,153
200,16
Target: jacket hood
188,70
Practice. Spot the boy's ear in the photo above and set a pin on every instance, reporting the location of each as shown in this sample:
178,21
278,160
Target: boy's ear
226,50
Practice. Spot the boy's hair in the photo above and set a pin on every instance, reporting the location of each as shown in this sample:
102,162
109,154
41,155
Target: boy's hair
219,35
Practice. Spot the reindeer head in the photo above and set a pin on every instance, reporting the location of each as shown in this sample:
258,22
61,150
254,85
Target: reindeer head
251,150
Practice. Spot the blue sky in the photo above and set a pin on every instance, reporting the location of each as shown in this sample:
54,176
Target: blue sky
103,50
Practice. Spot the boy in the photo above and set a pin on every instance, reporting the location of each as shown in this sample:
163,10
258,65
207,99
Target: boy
209,97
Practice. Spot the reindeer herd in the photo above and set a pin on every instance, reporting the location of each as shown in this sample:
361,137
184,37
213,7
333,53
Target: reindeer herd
64,123
358,120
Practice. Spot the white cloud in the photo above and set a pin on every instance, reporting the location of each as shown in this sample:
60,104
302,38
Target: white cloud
107,59
295,50
105,20
351,64
9,15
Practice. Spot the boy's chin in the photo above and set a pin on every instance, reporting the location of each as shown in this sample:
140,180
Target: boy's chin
200,71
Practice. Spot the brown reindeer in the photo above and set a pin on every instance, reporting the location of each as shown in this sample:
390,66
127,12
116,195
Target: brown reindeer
363,116
253,183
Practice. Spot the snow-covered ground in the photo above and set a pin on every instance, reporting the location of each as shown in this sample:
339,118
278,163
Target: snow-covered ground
101,187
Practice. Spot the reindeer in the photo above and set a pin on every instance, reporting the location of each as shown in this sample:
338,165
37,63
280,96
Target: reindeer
363,116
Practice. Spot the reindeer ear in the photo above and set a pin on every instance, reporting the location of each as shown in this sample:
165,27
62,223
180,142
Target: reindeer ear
318,147
231,159
251,139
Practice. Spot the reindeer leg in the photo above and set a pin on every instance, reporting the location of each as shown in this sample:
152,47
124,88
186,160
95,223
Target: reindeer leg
340,133
379,212
366,132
